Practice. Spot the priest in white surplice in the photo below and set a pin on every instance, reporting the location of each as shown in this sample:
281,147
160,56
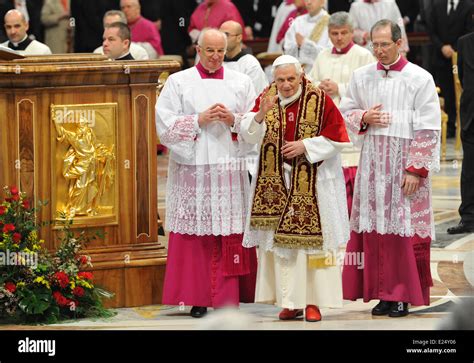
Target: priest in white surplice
332,71
394,104
308,34
367,12
198,118
298,211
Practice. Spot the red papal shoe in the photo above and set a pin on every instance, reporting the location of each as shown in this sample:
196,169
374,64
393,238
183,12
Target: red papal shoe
312,313
287,314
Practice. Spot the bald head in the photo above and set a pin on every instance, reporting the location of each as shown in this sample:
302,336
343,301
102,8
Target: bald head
233,31
15,15
131,9
16,26
231,25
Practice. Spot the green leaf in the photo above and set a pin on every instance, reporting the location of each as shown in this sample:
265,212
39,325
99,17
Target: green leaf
35,301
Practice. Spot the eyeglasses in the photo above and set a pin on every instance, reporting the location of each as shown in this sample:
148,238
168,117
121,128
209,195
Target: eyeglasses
210,52
383,46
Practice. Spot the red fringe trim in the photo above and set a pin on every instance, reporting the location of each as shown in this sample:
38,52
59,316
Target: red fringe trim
422,255
236,257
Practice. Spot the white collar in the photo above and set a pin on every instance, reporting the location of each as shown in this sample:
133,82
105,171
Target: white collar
387,66
21,41
286,101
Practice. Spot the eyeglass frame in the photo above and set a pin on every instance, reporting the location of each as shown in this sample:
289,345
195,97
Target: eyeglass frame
383,46
208,51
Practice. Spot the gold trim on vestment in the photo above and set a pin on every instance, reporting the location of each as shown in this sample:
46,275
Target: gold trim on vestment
293,213
319,28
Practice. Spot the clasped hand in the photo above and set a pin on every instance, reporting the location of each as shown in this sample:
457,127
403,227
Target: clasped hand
217,112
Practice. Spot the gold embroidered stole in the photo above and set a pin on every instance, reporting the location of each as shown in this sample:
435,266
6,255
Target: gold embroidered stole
292,213
319,28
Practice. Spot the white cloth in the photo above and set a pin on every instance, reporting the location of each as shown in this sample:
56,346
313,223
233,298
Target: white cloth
365,15
151,51
412,140
282,13
309,50
250,66
22,7
339,68
332,202
34,48
408,96
283,275
137,51
207,190
291,284
455,3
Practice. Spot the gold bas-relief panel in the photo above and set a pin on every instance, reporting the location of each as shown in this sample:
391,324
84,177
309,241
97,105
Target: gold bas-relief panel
84,172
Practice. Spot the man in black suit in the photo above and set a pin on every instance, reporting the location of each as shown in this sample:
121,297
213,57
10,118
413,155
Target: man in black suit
33,7
450,20
466,76
339,5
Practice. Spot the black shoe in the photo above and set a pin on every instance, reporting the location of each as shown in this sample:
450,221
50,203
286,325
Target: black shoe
198,311
382,308
398,310
462,227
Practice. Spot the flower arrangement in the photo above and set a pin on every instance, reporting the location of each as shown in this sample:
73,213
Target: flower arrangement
35,285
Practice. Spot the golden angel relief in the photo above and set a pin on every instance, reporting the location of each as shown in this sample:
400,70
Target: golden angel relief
88,165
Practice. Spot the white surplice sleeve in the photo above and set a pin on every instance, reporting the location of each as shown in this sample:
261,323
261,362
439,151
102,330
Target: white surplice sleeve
251,131
176,130
320,148
351,107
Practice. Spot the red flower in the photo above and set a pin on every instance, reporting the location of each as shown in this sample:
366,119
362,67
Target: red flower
10,286
16,237
3,210
16,197
86,275
78,291
8,228
61,278
14,190
82,260
26,204
60,299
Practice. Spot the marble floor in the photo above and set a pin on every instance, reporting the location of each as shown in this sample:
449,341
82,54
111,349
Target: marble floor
452,267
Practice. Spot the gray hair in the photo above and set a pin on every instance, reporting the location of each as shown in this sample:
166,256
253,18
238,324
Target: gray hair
396,31
341,18
298,68
123,18
211,30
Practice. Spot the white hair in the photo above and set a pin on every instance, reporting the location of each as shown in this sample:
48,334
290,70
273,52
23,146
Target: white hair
341,18
298,68
214,31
